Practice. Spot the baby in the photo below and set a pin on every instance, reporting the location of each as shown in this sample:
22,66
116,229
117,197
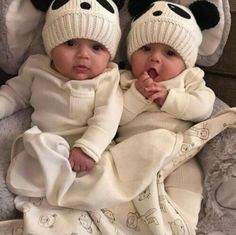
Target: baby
164,90
74,89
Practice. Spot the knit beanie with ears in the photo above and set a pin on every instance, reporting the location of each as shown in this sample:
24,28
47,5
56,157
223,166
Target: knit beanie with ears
170,24
96,20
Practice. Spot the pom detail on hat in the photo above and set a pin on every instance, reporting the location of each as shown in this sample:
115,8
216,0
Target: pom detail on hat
205,13
41,5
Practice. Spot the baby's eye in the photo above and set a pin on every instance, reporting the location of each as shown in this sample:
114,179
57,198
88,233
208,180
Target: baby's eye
146,48
98,47
171,53
71,43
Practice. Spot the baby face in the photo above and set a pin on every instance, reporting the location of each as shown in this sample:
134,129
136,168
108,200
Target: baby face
80,59
160,61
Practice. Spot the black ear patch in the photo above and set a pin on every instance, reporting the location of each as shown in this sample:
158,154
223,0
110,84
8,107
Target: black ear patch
85,5
179,11
143,12
157,13
42,5
59,3
136,7
205,13
106,5
119,3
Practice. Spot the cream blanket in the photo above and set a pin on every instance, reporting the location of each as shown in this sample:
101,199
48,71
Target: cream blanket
126,201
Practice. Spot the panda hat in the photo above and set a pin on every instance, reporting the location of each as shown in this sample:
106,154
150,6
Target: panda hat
88,19
167,23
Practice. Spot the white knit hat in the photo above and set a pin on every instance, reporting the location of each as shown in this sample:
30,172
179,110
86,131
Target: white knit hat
170,24
88,19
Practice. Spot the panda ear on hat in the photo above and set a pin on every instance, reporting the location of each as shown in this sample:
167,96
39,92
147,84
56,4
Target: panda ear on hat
137,7
119,3
43,5
214,19
205,13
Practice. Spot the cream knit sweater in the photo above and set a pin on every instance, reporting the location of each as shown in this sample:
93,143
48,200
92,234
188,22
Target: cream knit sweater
189,100
88,110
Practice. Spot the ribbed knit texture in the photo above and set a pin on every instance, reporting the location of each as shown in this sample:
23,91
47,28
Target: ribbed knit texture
71,21
182,34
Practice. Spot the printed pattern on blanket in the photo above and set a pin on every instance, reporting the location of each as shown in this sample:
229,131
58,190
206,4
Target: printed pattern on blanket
151,211
49,172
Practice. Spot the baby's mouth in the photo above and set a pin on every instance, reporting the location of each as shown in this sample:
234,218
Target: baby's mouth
152,73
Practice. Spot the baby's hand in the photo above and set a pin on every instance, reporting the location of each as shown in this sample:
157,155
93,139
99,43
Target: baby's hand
159,93
80,161
143,83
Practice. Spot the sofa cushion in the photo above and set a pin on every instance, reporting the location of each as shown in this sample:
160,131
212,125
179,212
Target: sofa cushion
226,190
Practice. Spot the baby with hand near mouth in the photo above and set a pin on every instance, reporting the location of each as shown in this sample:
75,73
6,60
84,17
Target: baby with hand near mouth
164,89
152,64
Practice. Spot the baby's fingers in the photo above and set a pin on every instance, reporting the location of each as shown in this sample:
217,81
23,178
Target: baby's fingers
154,96
145,80
159,97
144,76
154,87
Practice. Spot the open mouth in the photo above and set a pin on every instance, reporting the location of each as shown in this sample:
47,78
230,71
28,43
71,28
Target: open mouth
152,73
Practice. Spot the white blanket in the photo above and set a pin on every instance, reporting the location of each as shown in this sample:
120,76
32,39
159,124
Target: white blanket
145,208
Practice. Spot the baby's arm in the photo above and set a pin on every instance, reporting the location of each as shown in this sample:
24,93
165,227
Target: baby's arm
14,96
103,125
194,101
16,93
135,98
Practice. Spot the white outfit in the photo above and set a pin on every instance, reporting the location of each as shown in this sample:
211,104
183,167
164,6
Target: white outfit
86,112
188,100
151,211
124,193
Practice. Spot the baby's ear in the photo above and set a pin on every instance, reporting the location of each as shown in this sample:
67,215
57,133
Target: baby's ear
42,5
136,7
